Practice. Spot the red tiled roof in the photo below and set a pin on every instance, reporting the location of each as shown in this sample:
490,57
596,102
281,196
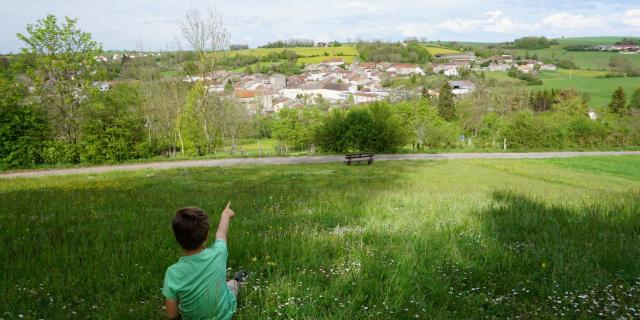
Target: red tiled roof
244,94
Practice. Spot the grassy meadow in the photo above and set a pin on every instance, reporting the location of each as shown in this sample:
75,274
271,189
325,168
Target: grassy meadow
600,89
306,55
531,239
590,40
592,60
314,55
434,49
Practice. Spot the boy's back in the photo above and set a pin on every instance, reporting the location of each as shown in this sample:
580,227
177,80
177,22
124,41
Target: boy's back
195,286
199,282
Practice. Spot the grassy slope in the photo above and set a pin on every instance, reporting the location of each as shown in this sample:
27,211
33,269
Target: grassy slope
589,40
434,49
445,239
318,55
600,89
302,51
584,60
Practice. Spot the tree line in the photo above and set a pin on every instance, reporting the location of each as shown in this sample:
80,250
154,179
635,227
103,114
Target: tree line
555,119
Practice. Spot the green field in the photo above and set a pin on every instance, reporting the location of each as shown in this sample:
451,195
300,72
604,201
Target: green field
302,51
434,49
600,89
533,239
313,55
589,40
306,55
315,60
583,59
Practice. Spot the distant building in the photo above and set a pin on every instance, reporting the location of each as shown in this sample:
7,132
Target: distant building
625,47
466,56
333,62
405,69
450,69
548,67
462,87
278,81
362,97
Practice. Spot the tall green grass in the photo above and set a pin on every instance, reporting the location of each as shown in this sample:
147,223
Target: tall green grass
434,239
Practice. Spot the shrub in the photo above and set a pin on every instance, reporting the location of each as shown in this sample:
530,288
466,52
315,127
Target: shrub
114,130
526,131
368,128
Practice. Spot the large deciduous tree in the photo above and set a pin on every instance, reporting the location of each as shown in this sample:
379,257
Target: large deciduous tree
207,35
60,62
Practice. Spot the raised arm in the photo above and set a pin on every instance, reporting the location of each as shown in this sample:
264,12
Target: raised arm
223,227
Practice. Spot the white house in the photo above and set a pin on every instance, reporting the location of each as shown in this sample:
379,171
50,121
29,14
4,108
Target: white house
281,104
316,76
451,72
502,67
548,67
451,68
334,62
462,87
362,97
405,69
329,91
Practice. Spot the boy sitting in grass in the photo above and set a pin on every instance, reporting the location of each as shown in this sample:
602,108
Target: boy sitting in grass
195,286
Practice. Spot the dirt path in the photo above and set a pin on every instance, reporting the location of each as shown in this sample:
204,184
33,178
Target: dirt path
308,159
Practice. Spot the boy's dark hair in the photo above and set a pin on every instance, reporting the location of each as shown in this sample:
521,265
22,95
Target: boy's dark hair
191,226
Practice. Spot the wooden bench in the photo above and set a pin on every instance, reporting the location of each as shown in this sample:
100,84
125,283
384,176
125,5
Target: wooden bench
359,157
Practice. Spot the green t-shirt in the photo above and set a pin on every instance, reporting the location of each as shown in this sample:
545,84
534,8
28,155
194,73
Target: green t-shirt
198,282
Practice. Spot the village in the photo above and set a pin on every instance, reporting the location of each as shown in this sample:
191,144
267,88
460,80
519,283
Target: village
337,83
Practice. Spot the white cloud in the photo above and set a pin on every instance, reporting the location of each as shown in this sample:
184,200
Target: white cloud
631,18
563,21
355,5
415,29
493,21
498,23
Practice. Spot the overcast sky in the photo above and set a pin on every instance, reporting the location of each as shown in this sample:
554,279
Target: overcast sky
120,24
